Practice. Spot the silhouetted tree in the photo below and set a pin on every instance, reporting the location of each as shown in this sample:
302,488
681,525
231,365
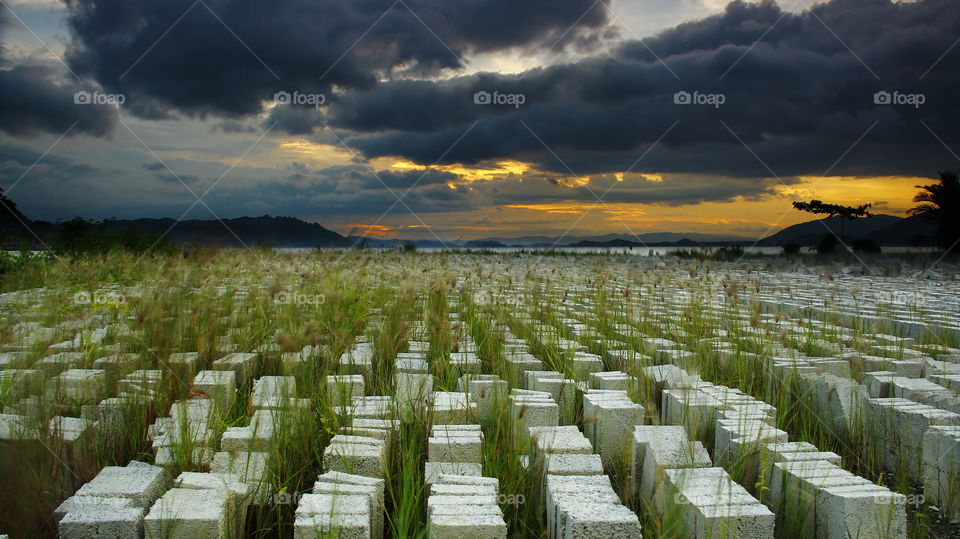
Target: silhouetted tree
827,245
14,225
846,213
940,202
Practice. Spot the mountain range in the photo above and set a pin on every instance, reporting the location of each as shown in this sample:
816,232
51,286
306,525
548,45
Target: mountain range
291,232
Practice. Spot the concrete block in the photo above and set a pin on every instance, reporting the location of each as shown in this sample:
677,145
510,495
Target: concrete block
218,385
141,483
609,420
102,521
455,446
241,363
343,388
413,391
251,467
572,464
355,455
184,512
941,469
432,471
452,407
459,526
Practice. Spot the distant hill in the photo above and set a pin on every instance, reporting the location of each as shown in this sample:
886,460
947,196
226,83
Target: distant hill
622,240
685,242
887,230
908,232
265,230
483,244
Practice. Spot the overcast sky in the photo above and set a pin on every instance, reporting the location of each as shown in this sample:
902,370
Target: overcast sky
476,118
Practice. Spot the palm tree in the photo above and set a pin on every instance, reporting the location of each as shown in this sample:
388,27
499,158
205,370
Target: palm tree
940,202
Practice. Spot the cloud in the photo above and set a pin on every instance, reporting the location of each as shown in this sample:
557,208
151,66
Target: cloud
798,99
231,126
35,100
229,56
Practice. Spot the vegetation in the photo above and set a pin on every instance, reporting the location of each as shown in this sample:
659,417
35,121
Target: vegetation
157,304
80,236
846,213
940,202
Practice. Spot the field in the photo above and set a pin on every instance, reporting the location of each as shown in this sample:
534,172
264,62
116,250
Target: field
255,393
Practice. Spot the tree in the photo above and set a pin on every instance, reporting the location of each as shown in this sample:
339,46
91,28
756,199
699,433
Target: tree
846,213
940,202
13,223
9,214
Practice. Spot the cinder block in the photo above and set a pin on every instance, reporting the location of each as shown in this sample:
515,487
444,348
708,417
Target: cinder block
559,439
241,363
219,385
139,482
251,467
664,454
184,512
432,471
358,455
609,419
489,526
373,488
573,464
327,515
102,521
860,511
413,391
343,388
455,446
239,495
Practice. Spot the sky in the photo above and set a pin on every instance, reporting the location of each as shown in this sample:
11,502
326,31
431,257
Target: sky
478,118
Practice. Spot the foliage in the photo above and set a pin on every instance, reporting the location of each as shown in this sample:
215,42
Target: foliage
865,245
733,253
846,213
80,236
23,269
791,249
818,207
941,203
827,245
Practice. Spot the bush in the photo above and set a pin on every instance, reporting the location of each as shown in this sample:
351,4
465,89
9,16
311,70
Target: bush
733,253
865,246
80,236
23,269
791,249
828,245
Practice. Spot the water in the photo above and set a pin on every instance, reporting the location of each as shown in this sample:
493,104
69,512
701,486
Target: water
663,251
636,251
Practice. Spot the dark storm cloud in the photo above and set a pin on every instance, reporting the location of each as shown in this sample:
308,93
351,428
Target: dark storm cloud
35,100
799,98
176,58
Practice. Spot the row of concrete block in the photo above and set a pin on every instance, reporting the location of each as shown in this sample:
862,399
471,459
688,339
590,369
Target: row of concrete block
746,441
137,499
462,503
342,505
